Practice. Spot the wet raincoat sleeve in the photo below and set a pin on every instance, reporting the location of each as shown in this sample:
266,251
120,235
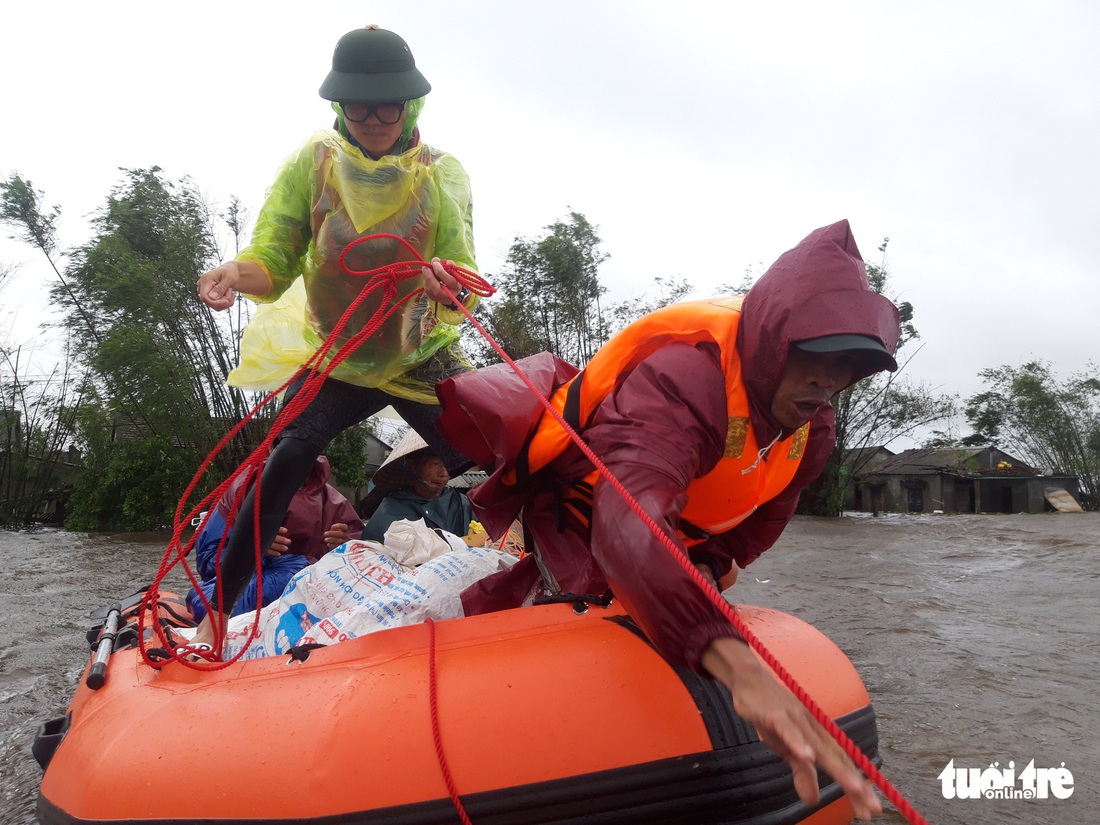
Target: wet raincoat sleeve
662,427
206,545
282,233
454,239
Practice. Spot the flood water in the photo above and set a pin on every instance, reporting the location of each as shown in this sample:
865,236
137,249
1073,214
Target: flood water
977,638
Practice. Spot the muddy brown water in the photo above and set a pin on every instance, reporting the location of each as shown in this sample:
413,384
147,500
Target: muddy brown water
978,638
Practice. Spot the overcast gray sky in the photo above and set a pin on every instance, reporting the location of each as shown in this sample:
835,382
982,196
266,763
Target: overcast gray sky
701,137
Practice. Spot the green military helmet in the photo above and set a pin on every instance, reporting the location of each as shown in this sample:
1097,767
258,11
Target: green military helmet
373,66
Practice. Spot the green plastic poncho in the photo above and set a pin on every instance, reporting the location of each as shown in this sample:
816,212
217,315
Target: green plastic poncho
326,196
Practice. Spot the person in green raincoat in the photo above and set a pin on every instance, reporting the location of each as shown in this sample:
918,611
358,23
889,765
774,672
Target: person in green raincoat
371,175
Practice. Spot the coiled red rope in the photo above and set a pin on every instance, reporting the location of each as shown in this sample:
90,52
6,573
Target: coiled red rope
386,279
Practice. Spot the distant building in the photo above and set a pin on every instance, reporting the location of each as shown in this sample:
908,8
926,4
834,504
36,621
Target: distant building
956,480
857,463
377,451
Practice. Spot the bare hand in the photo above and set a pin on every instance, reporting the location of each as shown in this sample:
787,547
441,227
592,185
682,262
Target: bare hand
281,545
707,573
218,287
435,278
786,727
336,535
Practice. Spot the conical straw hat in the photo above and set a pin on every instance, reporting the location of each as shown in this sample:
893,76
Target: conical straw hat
393,473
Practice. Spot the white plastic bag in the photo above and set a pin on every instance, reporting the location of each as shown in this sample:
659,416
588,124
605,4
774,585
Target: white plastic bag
413,542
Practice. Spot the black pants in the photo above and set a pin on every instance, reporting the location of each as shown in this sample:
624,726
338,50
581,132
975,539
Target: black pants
337,407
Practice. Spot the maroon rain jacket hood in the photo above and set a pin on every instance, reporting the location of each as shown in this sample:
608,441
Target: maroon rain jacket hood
818,288
316,506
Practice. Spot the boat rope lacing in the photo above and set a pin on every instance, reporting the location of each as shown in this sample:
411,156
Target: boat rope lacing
386,278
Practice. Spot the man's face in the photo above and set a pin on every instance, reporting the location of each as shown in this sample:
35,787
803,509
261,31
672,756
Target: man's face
809,381
432,477
377,138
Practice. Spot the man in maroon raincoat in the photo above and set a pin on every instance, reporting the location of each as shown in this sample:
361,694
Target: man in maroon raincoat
714,417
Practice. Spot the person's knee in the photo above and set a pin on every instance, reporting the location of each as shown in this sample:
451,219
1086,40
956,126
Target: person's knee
292,454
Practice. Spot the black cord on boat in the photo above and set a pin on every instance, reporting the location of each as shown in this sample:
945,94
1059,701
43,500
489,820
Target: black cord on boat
299,653
580,601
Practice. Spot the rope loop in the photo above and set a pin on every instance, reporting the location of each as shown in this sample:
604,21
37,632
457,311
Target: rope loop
401,270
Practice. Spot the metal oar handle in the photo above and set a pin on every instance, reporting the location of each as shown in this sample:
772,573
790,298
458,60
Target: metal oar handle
97,676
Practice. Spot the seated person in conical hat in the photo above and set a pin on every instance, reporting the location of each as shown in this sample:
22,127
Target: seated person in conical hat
414,480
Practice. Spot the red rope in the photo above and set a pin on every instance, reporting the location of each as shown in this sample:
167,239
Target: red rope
849,747
437,737
383,278
386,277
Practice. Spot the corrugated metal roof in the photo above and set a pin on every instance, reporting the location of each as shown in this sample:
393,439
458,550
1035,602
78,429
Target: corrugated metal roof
468,479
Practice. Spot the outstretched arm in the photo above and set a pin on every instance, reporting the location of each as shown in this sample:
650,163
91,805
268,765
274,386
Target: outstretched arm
786,727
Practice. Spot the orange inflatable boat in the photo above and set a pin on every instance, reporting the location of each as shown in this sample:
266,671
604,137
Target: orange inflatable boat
545,715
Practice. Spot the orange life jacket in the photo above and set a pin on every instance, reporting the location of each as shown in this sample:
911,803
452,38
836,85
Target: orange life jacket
738,484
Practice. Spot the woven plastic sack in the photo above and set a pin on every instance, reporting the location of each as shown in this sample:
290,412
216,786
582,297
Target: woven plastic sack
358,589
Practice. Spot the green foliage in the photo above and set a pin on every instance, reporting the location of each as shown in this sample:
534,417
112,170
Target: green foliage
156,358
346,454
21,207
550,299
1047,422
36,411
36,423
548,296
128,484
827,496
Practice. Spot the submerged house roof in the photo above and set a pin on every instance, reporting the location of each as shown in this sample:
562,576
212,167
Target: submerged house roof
860,460
961,461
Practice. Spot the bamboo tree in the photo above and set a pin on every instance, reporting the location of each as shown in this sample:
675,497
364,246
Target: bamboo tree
548,296
1049,423
155,402
38,418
